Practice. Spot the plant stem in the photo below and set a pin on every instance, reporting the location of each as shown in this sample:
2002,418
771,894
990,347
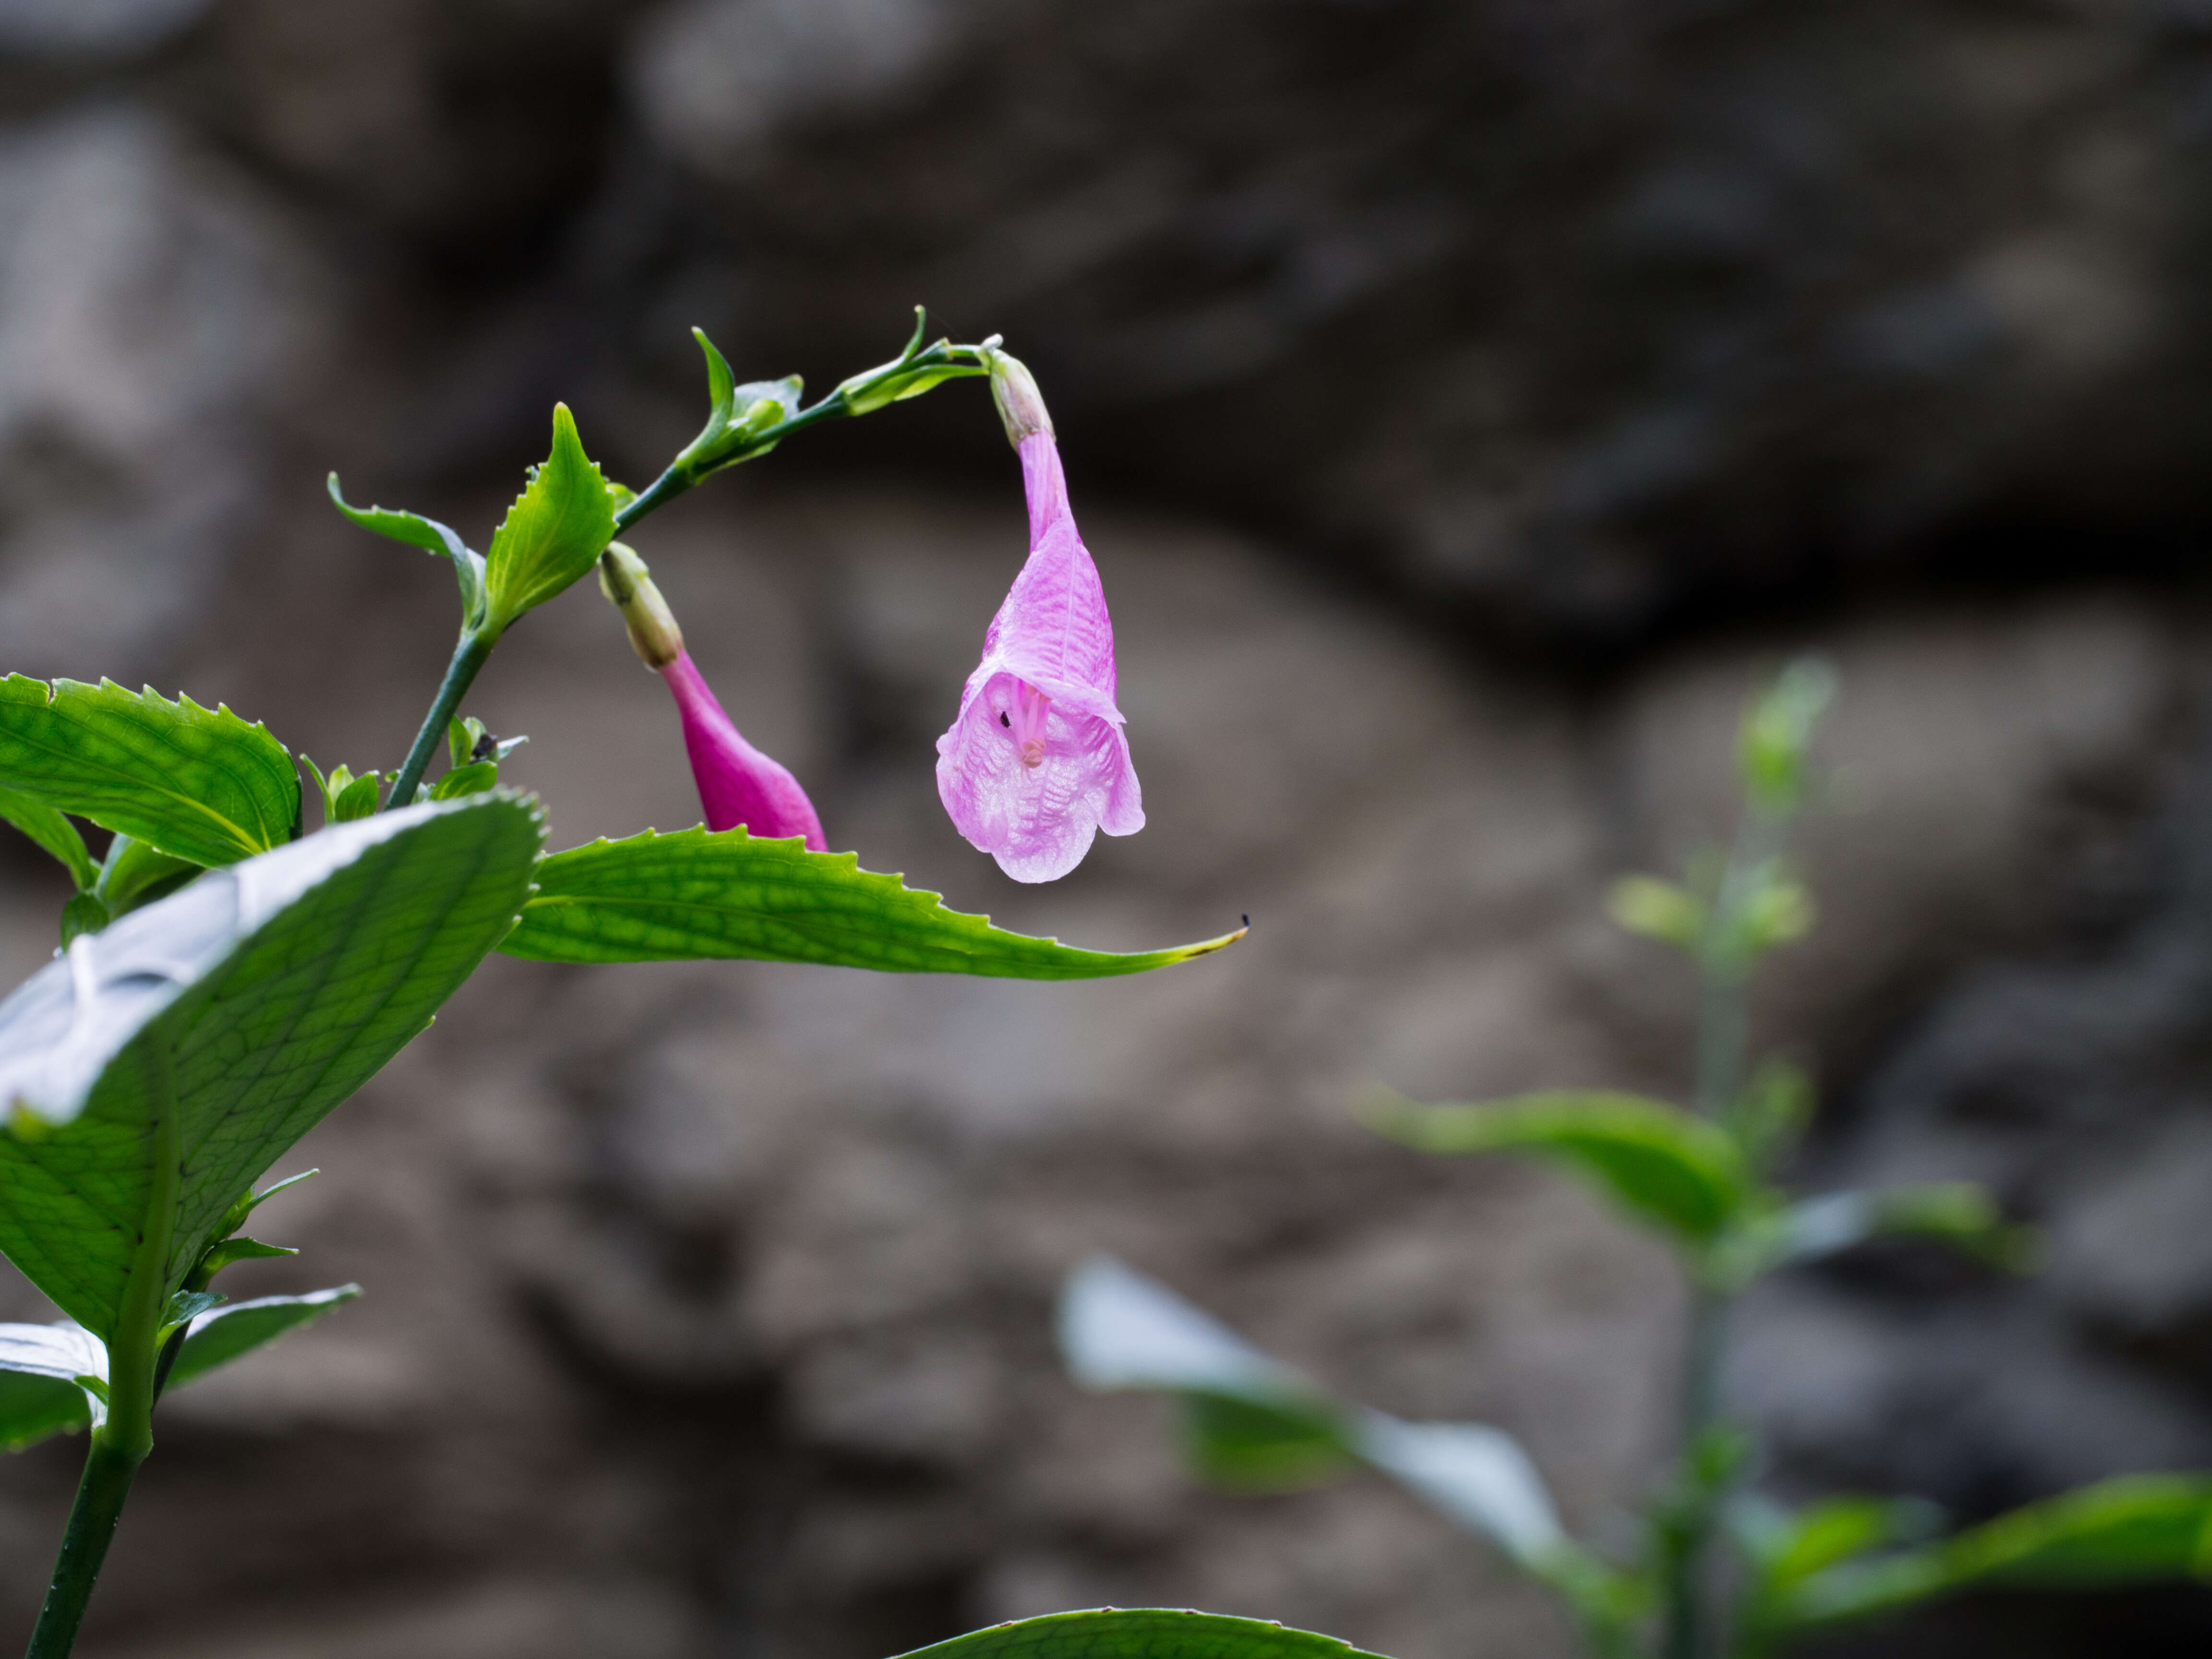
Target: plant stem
470,656
120,1443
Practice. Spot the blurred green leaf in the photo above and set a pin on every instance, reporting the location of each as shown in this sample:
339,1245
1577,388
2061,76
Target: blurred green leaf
1658,909
196,784
217,1338
1775,911
432,538
1139,1633
2135,1530
696,894
277,987
82,914
1657,1162
554,532
1786,1547
51,831
1777,734
359,798
1955,1212
1773,1112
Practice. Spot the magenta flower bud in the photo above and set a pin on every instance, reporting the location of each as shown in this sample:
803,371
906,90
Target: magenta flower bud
1036,764
739,788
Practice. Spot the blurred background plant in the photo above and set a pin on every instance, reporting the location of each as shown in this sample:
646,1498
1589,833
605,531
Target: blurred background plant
1467,402
1712,1565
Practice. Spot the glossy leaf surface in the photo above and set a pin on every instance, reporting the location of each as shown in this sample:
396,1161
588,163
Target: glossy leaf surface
1657,1162
38,1393
695,894
197,784
279,986
1139,1633
556,530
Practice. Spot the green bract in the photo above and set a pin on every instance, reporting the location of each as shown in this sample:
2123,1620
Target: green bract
197,784
699,894
226,1020
554,532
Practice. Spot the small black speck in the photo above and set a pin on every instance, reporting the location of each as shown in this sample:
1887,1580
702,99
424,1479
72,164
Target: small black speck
1248,921
1003,720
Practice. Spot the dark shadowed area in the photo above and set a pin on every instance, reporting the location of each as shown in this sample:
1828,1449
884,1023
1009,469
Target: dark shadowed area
1467,402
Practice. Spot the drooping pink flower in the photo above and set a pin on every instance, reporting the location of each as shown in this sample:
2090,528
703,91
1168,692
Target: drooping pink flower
1036,764
739,788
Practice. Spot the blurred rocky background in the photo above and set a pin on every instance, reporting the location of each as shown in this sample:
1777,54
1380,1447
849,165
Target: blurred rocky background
1469,402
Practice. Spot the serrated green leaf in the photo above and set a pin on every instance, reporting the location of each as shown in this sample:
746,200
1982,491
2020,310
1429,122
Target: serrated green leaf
432,538
1139,1633
554,532
1656,1161
696,894
218,1338
53,832
278,987
2135,1530
197,784
470,779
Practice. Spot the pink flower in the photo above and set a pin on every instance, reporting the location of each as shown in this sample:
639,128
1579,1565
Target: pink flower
1036,764
739,788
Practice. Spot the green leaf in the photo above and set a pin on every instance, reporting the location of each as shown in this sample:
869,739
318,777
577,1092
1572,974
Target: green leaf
1785,1548
222,1252
51,831
432,538
1955,1212
2135,1530
40,1394
218,1338
82,914
1655,1161
556,530
1777,733
1658,909
696,894
197,785
470,779
279,986
134,874
1139,1633
358,800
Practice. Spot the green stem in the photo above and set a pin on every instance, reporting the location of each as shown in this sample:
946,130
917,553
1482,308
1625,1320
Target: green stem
470,656
120,1444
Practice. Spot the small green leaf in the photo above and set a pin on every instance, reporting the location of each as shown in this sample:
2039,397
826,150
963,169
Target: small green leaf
239,1248
721,385
1785,1548
196,784
554,532
2135,1530
358,799
51,831
223,1335
1139,1633
83,913
432,538
187,1305
1656,1161
278,988
1658,909
134,874
1955,1212
695,894
463,732
1777,734
470,779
